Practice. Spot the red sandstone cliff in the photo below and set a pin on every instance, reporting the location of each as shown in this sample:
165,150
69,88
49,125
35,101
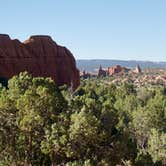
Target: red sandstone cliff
40,56
116,70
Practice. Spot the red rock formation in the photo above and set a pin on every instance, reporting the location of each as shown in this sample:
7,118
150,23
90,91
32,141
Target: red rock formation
116,70
40,56
137,69
101,72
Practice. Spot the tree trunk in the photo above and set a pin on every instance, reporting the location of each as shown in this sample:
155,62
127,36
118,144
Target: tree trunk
53,159
29,151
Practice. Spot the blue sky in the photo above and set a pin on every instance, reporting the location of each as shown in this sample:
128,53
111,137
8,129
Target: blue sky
92,29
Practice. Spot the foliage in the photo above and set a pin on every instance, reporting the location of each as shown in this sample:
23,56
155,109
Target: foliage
157,146
99,124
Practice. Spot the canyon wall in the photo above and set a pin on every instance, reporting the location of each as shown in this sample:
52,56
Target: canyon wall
40,56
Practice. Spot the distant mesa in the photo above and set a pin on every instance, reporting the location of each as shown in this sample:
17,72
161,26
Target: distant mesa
40,56
117,69
112,71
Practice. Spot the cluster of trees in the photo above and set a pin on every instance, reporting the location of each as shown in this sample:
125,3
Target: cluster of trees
97,125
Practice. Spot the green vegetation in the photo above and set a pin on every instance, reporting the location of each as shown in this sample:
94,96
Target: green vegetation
98,125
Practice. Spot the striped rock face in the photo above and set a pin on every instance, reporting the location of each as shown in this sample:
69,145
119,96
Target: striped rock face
40,56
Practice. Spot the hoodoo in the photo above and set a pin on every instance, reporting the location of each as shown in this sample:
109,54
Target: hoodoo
40,56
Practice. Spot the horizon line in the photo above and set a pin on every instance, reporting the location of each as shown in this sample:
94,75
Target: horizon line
152,61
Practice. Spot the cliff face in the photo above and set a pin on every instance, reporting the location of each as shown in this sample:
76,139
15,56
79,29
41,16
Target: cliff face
116,70
40,56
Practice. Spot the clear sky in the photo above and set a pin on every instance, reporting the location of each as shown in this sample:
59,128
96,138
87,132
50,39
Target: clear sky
92,29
